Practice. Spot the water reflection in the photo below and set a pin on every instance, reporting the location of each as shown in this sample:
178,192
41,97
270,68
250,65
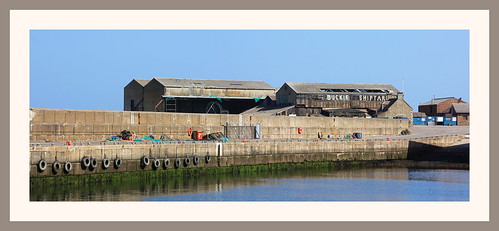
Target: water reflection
367,184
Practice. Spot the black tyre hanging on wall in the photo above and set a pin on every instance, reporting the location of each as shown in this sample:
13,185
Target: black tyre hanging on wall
85,162
207,158
166,162
56,167
93,163
105,163
42,165
195,160
68,167
177,163
144,161
156,164
117,163
187,161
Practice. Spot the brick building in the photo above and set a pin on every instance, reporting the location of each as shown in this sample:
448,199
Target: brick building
438,106
462,112
447,109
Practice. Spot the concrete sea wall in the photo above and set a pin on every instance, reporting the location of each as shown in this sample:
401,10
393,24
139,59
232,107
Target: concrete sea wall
49,125
223,153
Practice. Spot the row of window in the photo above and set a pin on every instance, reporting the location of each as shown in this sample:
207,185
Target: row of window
354,90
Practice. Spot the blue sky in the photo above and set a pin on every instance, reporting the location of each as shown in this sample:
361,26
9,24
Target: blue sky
88,69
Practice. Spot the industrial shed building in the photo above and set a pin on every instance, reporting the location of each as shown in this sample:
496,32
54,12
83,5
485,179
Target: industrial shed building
348,100
198,95
134,95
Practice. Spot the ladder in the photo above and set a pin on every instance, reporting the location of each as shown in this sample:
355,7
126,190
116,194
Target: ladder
171,105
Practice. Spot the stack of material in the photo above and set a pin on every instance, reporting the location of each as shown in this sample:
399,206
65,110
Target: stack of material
126,135
149,138
123,136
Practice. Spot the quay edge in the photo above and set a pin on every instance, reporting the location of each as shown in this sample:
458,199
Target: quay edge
226,154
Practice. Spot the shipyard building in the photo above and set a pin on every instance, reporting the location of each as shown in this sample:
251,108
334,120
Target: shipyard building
344,100
194,95
259,98
134,95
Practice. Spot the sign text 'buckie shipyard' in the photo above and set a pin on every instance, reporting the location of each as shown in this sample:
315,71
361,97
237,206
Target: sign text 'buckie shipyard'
358,97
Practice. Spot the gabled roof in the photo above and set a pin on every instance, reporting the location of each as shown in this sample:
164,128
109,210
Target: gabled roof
436,101
142,82
387,104
272,97
461,108
205,83
303,88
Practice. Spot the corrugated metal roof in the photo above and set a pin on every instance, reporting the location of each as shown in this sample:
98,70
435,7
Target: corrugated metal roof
209,83
418,114
461,107
436,101
205,97
316,87
142,82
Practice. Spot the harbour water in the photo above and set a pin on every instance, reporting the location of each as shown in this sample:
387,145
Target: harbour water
318,184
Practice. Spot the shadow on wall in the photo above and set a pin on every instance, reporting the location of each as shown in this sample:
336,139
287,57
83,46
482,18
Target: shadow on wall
426,152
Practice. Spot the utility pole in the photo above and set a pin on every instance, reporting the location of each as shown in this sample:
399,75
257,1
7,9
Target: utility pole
403,90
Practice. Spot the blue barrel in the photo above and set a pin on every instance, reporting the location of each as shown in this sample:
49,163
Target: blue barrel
359,135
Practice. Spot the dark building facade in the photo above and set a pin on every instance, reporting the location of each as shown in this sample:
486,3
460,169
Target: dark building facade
350,100
134,95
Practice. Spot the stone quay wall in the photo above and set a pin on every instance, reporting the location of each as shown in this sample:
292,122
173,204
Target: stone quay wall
60,125
221,154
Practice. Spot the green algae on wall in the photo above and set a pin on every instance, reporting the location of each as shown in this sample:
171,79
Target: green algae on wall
242,170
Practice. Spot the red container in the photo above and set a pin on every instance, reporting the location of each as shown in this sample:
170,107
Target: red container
199,135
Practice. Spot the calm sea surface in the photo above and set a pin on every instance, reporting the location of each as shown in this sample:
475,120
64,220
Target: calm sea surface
368,184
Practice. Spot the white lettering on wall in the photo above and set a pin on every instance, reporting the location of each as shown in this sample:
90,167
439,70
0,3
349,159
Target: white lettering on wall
361,97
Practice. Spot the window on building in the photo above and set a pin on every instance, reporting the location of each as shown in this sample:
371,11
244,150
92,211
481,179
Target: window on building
374,91
332,90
